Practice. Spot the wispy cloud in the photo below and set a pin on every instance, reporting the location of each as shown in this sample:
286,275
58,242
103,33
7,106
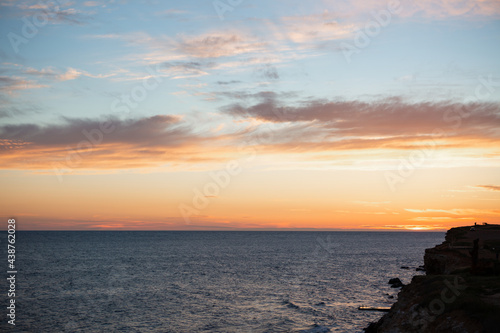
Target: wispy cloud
156,130
430,9
92,3
52,73
310,29
459,212
452,8
489,187
388,123
10,84
182,47
60,13
307,129
217,45
21,77
130,143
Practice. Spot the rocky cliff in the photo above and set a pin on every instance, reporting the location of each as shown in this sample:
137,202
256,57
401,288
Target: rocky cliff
460,291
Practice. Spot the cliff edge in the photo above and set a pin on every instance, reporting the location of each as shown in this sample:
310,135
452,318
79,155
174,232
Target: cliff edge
460,291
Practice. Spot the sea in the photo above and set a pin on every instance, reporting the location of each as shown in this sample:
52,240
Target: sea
207,281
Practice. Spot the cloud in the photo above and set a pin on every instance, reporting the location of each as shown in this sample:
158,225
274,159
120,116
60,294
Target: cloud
269,72
189,56
264,96
55,13
217,45
103,144
432,9
341,20
446,211
157,130
10,111
6,144
9,84
308,29
23,78
208,45
334,132
489,187
440,219
222,83
179,69
452,8
311,131
50,72
92,3
46,74
387,117
459,212
70,74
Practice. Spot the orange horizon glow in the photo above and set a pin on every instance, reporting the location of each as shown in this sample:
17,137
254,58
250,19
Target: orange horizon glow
278,118
319,200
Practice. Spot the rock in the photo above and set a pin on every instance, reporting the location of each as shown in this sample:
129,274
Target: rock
405,267
420,269
396,283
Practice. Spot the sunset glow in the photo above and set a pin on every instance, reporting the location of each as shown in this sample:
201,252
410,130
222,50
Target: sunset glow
344,115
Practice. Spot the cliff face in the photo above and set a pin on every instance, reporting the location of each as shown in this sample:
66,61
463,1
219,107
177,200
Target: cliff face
444,260
451,297
455,254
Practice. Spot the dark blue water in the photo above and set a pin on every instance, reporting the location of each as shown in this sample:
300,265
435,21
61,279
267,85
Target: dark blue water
207,281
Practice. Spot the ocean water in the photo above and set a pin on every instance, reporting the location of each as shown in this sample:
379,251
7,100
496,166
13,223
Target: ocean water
204,281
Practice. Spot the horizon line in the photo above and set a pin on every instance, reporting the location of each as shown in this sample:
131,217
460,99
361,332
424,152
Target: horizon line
247,229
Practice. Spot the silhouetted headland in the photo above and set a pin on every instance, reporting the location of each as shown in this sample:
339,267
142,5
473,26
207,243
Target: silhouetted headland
460,291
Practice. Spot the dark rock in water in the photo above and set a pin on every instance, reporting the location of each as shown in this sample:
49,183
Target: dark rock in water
391,297
396,283
420,269
320,304
394,280
405,267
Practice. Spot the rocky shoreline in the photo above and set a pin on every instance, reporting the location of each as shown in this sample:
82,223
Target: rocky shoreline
460,291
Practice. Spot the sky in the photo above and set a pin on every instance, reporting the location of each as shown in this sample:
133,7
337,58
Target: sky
242,114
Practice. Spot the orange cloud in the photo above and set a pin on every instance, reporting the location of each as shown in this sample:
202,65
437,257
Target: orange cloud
307,132
489,187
